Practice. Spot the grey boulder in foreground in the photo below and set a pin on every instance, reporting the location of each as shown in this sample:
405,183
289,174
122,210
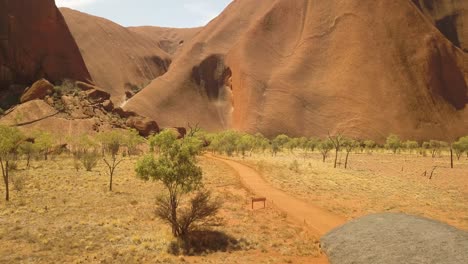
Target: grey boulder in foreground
396,238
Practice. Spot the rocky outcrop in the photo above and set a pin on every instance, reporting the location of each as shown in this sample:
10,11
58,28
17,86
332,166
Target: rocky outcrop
97,96
84,86
38,115
122,113
368,68
143,125
35,43
39,90
108,105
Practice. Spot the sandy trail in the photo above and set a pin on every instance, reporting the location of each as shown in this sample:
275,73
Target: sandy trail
318,220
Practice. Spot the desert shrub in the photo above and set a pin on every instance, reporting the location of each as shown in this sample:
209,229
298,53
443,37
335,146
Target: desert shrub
245,143
85,150
19,181
261,143
2,111
44,141
436,147
133,140
65,88
370,145
226,142
176,168
28,150
280,141
460,146
275,148
89,159
10,139
111,143
162,141
393,143
324,147
410,145
312,144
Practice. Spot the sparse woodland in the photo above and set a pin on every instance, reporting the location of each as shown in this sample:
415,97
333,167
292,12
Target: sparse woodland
183,201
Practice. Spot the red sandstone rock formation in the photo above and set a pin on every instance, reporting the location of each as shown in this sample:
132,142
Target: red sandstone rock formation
368,68
118,59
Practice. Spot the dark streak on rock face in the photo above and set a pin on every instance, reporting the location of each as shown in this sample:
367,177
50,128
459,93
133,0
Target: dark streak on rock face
211,75
447,26
447,16
448,79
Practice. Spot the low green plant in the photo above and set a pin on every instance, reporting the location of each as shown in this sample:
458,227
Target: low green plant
89,159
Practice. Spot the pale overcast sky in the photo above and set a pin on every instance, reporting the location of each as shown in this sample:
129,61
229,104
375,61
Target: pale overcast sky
164,13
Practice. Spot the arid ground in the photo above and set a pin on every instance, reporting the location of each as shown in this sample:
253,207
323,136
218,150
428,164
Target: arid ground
376,182
61,215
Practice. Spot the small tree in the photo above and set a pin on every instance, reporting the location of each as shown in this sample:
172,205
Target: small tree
111,142
337,141
302,143
176,168
292,144
44,141
324,147
460,147
275,147
261,143
349,145
225,142
411,145
280,141
370,145
132,140
244,144
162,141
393,143
28,149
312,143
10,139
436,147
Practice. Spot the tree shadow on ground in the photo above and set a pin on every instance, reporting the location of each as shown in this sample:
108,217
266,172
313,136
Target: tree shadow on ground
202,242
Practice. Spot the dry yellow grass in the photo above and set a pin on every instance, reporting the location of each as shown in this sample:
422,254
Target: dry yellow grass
62,215
377,182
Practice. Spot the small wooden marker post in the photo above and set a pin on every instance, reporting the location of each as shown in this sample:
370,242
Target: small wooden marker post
259,199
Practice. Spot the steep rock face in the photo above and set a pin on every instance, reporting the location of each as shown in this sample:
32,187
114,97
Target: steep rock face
450,17
35,43
117,59
368,68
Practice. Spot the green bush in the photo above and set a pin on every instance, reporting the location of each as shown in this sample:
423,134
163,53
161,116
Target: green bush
89,159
